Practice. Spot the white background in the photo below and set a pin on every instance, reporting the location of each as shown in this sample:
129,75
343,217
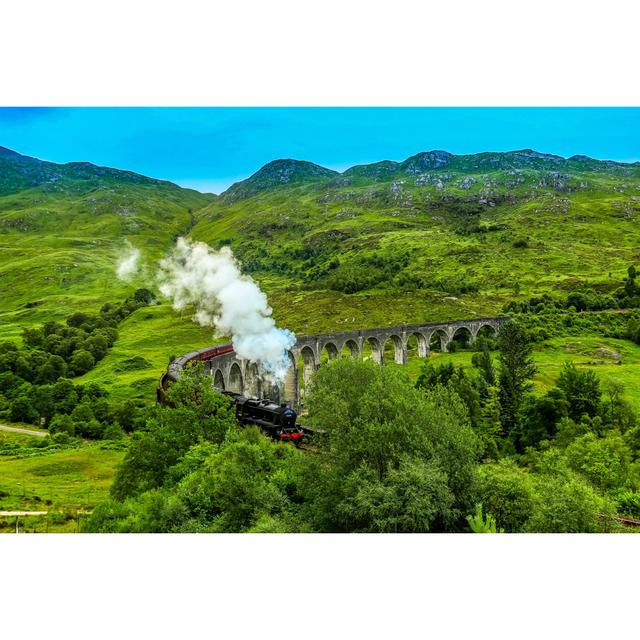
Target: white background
278,52
333,52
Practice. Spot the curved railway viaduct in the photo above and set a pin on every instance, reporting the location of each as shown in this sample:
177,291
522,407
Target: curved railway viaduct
242,376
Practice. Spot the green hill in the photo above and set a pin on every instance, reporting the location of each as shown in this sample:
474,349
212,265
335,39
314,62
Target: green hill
437,236
63,226
434,237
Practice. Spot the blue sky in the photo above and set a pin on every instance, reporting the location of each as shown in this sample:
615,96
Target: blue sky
210,148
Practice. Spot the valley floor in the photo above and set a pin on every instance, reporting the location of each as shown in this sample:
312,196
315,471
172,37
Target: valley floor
69,482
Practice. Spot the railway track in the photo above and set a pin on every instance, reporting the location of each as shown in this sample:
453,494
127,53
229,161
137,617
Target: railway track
625,521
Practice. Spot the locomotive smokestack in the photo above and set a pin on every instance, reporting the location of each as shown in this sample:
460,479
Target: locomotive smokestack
227,300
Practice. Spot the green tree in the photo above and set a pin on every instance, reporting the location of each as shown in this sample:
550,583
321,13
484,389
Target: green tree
33,337
484,363
194,413
9,383
82,416
21,410
630,287
53,344
506,491
414,496
91,429
540,416
65,395
431,375
379,421
605,462
481,524
80,319
81,362
237,483
565,504
144,296
23,367
41,397
62,423
489,428
113,432
125,414
54,368
515,372
7,362
242,484
581,389
456,379
96,345
8,348
616,409
93,391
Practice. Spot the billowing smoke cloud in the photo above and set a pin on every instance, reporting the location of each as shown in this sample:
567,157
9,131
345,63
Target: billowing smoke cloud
226,299
128,263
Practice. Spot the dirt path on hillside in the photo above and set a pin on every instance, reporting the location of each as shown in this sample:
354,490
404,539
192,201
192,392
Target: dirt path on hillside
28,432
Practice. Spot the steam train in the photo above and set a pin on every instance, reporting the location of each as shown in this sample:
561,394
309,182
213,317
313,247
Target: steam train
173,370
278,421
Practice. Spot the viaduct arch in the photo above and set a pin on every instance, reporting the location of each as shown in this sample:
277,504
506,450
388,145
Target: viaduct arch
240,375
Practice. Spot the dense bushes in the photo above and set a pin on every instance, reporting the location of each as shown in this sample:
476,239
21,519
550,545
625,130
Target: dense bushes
380,432
76,410
561,461
195,413
57,350
34,381
555,323
626,296
393,459
361,272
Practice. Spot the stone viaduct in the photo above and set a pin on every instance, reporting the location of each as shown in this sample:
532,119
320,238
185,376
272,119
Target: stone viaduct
242,376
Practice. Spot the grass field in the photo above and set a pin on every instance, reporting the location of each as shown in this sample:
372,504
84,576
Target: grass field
337,252
609,358
69,481
444,244
62,482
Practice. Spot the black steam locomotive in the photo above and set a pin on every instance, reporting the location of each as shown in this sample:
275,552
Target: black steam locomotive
275,420
278,421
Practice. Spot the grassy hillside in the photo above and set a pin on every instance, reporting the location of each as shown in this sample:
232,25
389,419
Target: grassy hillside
435,237
62,228
432,238
62,482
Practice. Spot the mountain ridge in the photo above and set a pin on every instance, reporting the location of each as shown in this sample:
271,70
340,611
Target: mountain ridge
19,172
285,172
279,172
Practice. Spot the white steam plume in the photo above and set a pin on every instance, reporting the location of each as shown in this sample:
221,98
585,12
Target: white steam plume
226,299
128,263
